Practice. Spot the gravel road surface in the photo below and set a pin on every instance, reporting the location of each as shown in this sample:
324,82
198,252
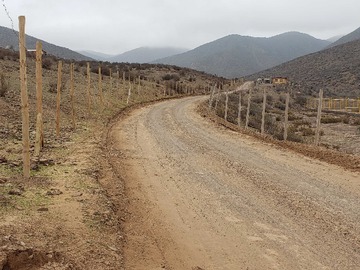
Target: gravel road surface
203,197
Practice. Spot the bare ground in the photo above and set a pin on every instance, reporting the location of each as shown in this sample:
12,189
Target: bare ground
200,196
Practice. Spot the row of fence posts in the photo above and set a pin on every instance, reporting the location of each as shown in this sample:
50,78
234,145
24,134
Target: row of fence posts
347,104
262,131
39,136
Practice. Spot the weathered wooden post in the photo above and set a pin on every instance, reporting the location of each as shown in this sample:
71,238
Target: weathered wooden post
88,86
100,87
110,72
318,119
129,94
286,124
117,79
72,98
139,85
58,98
239,110
226,105
248,110
263,113
217,98
212,96
39,139
24,99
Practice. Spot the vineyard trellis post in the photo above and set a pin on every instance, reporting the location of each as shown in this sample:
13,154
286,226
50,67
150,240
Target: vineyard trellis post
39,137
24,99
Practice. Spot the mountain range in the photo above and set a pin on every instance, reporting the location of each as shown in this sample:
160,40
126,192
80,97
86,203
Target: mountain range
309,63
139,55
9,37
236,56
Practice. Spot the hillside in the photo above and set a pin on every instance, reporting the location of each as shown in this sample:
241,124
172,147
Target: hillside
145,55
236,56
9,38
336,70
355,35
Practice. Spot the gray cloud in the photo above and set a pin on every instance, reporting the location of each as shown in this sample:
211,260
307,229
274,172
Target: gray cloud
113,26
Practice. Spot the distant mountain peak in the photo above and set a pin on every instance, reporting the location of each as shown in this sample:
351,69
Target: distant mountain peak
355,35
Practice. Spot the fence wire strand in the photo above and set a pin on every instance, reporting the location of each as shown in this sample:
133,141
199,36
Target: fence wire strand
11,21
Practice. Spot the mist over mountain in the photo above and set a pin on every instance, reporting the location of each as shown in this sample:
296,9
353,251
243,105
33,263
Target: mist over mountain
145,54
334,38
8,37
355,35
96,55
237,56
336,70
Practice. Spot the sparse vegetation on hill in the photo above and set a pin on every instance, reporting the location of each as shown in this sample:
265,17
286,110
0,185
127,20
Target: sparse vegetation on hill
336,70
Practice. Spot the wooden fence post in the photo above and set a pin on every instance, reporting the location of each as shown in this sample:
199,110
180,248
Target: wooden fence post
226,105
72,98
263,113
58,98
111,84
286,124
129,93
39,139
212,96
88,86
100,87
217,98
248,110
24,99
117,79
139,85
318,119
239,110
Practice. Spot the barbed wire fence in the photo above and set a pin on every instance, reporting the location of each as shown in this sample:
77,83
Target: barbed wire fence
8,15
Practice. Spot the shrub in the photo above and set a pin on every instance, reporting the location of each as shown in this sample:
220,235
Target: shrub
330,119
47,63
306,131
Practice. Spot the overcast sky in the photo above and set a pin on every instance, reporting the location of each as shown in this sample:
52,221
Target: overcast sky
115,26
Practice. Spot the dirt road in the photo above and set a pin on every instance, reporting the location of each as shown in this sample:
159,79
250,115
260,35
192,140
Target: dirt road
202,197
